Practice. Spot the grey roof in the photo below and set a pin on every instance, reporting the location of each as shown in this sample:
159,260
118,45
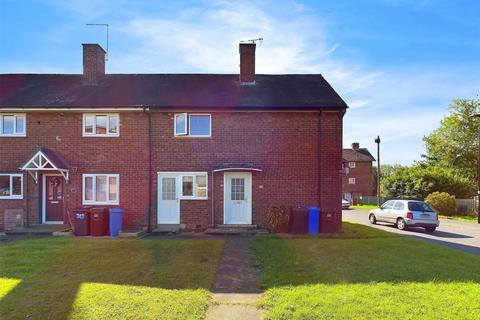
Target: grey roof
169,91
358,155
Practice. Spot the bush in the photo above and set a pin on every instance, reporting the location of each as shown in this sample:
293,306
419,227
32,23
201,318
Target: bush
278,218
442,202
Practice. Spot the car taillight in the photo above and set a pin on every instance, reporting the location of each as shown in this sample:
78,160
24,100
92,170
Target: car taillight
409,215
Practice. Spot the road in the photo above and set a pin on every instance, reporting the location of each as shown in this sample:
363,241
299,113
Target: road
459,235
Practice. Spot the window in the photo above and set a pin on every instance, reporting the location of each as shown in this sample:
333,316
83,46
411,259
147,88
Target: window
399,206
388,205
419,206
194,185
11,186
101,125
193,125
101,189
351,164
351,180
238,189
12,125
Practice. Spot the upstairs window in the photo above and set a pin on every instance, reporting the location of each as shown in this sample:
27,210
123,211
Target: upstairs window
351,164
11,186
12,125
101,125
193,125
351,180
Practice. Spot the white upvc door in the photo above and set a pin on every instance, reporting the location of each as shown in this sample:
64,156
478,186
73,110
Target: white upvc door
237,198
168,211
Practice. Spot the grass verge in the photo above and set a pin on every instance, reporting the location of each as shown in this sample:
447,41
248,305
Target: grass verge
462,218
107,279
364,207
367,278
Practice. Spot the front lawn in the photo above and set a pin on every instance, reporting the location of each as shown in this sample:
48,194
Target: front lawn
367,278
56,278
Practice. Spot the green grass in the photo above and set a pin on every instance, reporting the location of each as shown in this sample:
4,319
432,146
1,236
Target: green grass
364,207
462,218
373,277
107,279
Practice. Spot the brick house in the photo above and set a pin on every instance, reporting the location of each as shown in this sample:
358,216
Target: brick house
190,150
358,179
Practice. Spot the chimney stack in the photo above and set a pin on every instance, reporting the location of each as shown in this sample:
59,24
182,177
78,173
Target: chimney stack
93,63
355,146
247,63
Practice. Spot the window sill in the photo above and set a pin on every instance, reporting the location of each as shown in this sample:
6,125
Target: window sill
12,198
13,135
188,198
100,135
100,203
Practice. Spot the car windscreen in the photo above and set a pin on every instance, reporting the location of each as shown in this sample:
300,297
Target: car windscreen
419,206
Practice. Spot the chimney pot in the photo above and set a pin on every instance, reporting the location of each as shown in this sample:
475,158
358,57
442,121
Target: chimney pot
247,63
93,63
355,146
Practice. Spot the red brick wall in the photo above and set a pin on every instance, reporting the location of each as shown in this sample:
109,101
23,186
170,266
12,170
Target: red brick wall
364,180
126,155
285,145
300,154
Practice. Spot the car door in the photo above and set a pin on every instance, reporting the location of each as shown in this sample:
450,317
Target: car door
383,213
397,211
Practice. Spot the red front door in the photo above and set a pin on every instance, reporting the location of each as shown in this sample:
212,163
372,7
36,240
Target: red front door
54,198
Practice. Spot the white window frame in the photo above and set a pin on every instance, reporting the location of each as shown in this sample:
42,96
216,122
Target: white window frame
184,133
94,189
179,184
94,134
12,196
187,133
351,181
352,164
14,134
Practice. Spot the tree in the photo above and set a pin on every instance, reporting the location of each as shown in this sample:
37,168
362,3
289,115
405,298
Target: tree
454,144
420,180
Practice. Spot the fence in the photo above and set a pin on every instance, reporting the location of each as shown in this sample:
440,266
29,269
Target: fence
467,206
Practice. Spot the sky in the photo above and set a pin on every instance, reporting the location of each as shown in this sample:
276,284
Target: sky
397,63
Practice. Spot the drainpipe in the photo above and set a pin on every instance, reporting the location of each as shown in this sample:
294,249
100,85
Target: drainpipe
26,200
213,202
149,115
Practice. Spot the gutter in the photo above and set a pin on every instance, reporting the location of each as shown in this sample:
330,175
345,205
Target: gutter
150,189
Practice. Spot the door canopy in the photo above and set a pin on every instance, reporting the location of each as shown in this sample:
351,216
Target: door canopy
46,160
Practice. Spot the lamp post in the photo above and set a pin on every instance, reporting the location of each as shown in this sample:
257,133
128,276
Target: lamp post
478,168
377,141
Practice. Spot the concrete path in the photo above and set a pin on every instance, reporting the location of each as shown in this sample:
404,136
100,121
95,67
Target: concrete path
236,290
464,236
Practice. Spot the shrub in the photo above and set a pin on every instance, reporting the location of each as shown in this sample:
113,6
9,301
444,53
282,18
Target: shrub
278,218
442,202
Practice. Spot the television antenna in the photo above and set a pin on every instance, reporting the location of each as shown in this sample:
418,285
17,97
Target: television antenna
259,40
106,25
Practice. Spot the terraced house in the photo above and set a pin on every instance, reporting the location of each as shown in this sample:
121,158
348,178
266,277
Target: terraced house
187,150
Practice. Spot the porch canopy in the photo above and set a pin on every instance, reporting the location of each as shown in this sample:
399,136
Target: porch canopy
237,167
46,160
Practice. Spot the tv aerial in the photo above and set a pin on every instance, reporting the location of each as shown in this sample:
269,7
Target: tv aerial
106,25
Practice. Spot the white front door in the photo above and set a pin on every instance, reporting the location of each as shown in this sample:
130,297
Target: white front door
238,198
168,211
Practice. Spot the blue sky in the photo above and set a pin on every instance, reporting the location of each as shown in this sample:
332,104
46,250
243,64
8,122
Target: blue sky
397,63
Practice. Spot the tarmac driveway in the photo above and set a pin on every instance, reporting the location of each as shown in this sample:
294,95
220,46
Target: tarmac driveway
459,235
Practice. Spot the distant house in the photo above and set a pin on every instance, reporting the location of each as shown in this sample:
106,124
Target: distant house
358,179
190,150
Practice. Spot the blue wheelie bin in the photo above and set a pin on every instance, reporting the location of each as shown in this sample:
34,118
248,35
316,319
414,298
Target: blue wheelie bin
313,220
116,221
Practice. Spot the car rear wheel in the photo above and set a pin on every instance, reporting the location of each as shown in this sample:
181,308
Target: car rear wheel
372,219
430,229
401,225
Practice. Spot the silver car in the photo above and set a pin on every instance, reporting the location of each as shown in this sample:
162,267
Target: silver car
406,213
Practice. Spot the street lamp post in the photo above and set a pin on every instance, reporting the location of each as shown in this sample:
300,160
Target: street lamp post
478,169
377,141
